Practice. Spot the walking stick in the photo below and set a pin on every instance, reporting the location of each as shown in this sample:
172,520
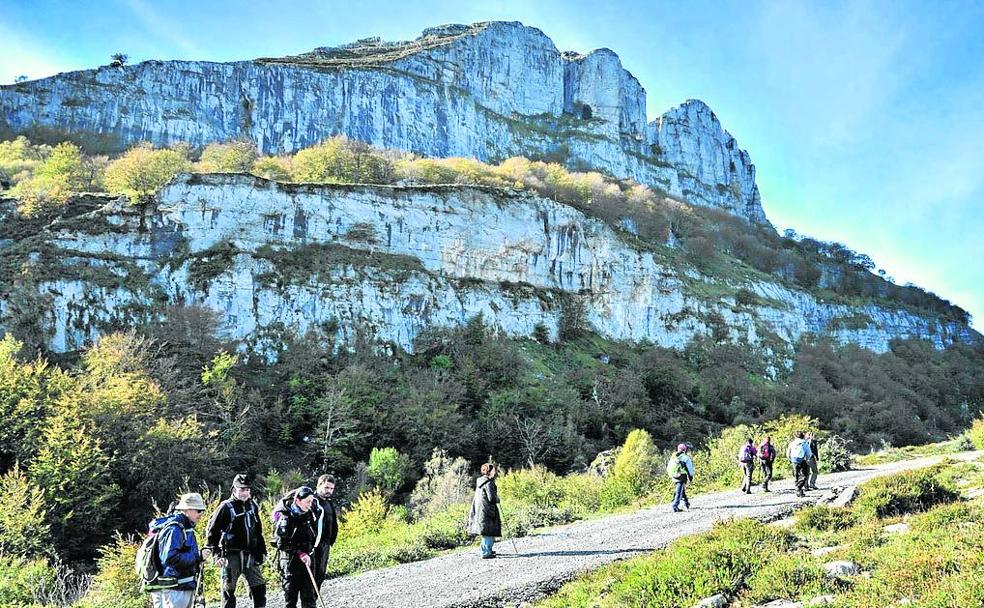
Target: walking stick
314,583
200,587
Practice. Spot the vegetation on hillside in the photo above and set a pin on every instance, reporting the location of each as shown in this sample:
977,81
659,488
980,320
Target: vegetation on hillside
712,241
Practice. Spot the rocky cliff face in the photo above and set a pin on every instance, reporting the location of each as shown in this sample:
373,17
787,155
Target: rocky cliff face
489,90
391,261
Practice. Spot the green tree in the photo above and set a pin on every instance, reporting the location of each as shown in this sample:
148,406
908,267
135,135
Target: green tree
74,472
24,529
388,469
142,171
62,173
636,463
230,157
276,168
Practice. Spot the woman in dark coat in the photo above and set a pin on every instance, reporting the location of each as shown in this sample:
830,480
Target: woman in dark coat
484,518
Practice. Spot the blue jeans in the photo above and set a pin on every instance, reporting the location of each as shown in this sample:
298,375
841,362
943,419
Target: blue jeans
680,494
487,544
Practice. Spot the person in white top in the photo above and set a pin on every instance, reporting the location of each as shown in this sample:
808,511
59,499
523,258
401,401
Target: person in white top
799,453
681,468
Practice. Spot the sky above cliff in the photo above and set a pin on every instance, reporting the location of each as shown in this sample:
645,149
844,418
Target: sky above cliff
864,119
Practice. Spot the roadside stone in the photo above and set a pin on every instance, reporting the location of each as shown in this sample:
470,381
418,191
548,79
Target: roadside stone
715,601
845,497
841,568
781,604
899,528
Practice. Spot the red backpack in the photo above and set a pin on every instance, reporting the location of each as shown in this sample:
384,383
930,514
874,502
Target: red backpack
767,452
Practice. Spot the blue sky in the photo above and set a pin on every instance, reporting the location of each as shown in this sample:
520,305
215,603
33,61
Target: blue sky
864,118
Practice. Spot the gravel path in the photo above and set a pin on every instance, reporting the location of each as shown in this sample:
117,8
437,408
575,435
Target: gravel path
539,564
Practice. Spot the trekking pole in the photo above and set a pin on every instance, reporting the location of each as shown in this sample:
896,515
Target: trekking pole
200,587
314,583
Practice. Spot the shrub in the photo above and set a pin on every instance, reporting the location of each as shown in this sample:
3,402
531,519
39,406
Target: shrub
825,518
787,576
116,585
367,516
976,433
20,577
388,469
23,527
636,464
231,157
142,171
902,493
53,181
276,168
445,482
340,160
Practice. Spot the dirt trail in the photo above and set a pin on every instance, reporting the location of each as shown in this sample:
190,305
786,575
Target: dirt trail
543,562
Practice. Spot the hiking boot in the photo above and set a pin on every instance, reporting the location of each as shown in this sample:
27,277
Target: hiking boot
677,509
489,555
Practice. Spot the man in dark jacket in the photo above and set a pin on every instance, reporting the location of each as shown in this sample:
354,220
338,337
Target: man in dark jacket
294,537
177,551
235,538
813,461
326,526
484,518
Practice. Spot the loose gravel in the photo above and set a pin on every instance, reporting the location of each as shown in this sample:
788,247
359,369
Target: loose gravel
532,567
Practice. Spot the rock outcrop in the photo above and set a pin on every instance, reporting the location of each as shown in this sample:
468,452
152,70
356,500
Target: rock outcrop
488,90
392,261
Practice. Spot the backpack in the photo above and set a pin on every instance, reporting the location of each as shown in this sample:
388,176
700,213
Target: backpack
767,452
148,561
676,468
748,453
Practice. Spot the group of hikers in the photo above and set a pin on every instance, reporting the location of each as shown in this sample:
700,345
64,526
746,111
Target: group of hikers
305,526
803,453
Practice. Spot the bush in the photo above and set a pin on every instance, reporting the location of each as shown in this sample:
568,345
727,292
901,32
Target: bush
116,585
53,181
23,527
388,469
826,519
20,577
790,576
142,171
445,482
976,433
637,463
906,492
276,168
231,157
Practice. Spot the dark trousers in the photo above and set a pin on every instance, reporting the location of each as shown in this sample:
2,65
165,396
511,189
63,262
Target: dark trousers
748,468
680,495
297,584
801,471
320,564
766,473
241,563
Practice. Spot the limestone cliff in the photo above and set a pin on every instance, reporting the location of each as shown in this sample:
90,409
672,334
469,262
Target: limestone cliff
488,90
275,258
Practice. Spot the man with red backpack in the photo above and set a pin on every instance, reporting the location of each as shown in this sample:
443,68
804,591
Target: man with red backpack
746,456
767,456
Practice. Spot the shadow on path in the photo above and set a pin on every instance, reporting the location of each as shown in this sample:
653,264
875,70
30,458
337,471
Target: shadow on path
574,553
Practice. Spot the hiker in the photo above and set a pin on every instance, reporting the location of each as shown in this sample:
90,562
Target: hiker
681,468
177,550
813,461
484,519
798,453
767,455
746,456
294,537
326,526
235,540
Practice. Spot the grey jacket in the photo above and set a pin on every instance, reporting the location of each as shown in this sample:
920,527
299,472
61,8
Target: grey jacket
484,518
